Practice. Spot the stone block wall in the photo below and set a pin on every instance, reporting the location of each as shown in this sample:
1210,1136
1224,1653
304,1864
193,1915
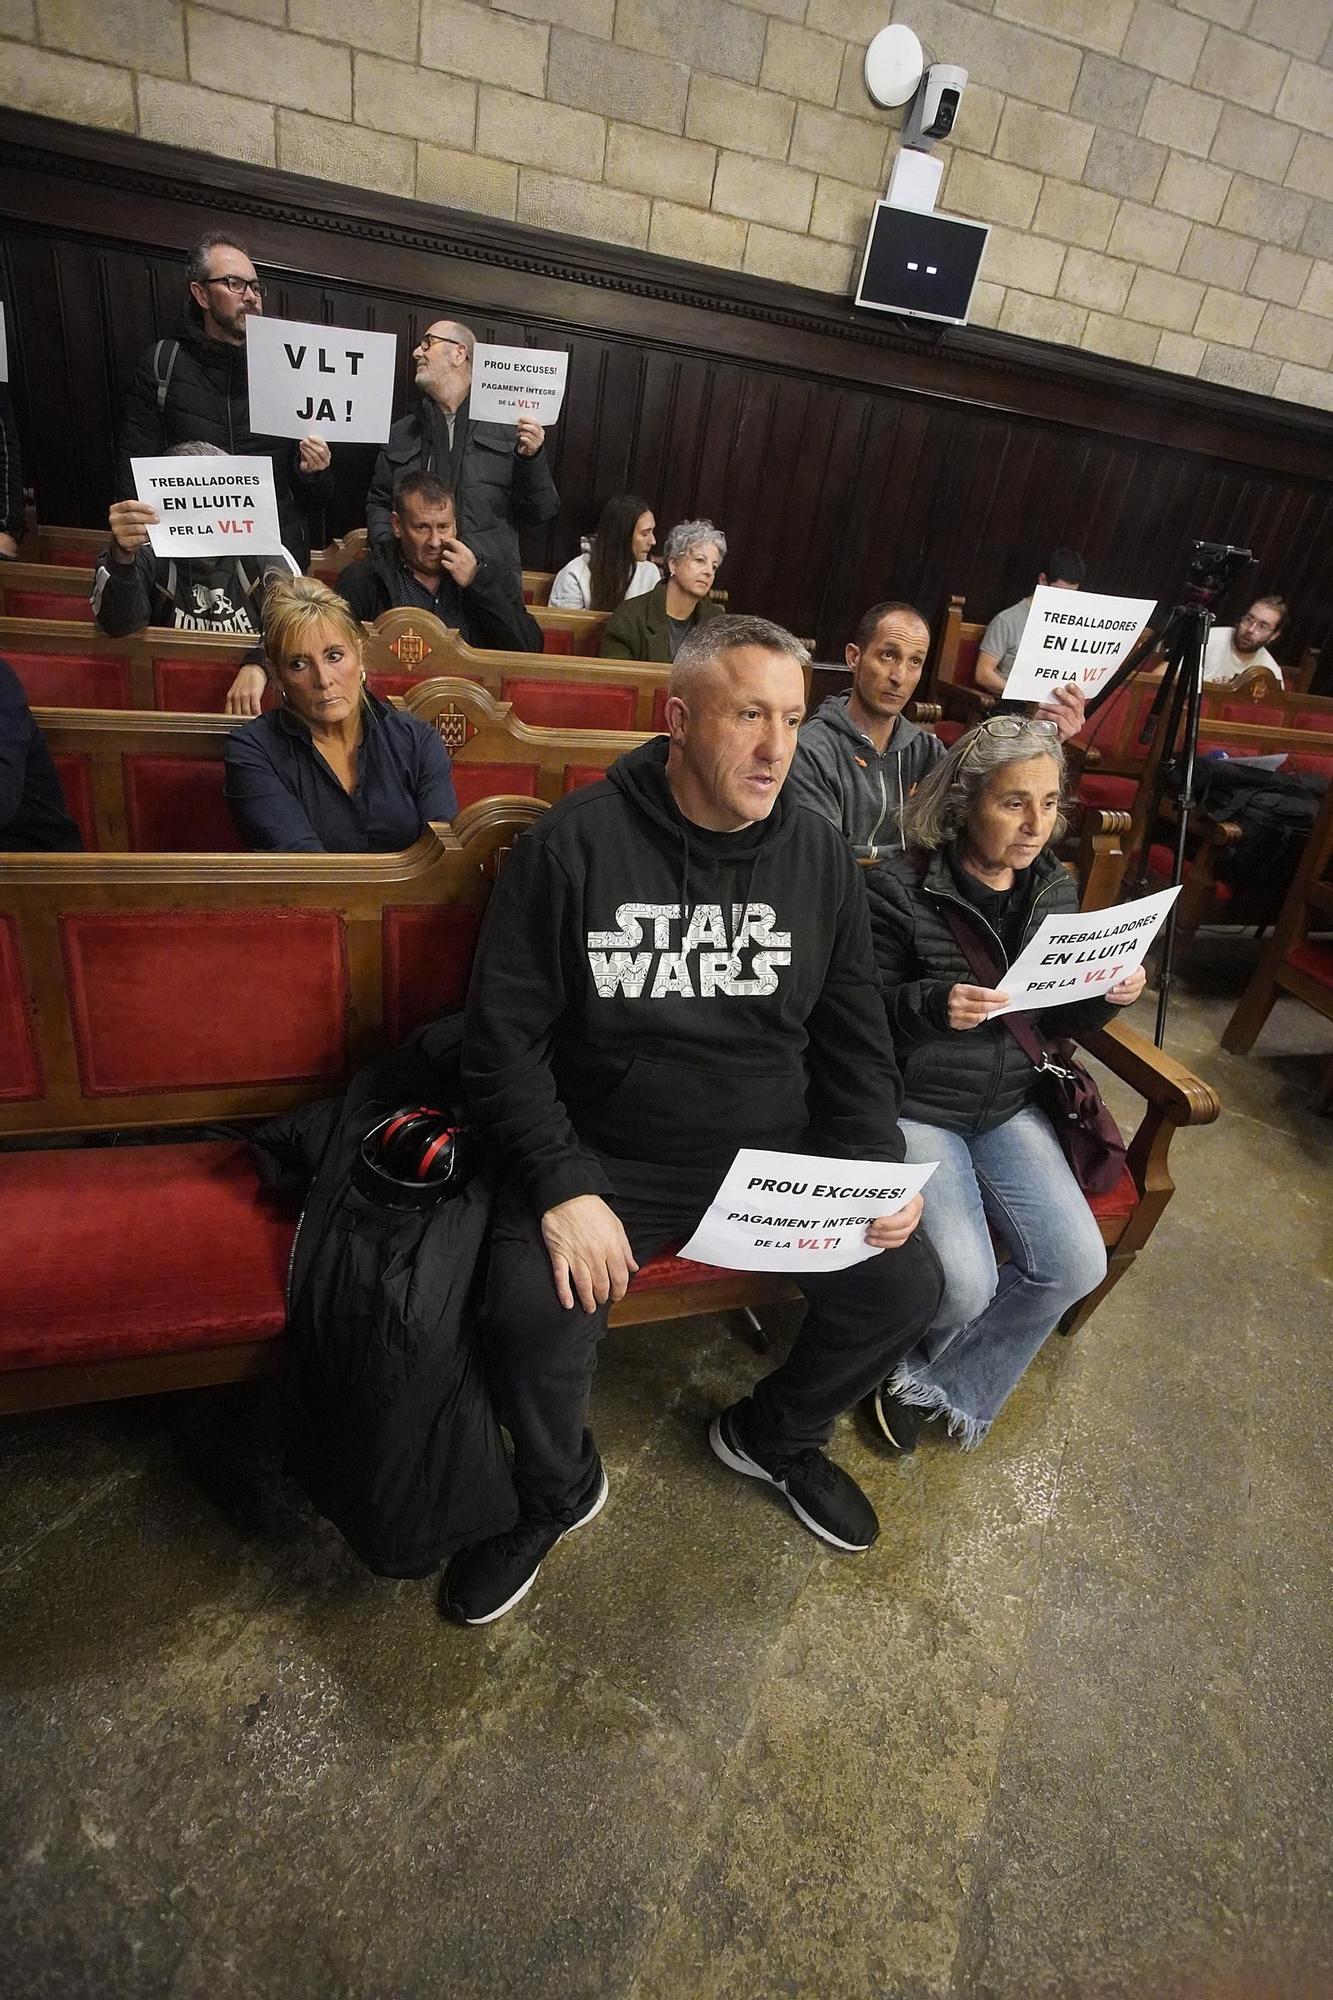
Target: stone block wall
1159,173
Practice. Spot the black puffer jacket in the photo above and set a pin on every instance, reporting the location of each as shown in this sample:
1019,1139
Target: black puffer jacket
208,399
967,1080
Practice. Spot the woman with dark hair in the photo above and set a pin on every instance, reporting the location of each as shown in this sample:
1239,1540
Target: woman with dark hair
614,564
977,864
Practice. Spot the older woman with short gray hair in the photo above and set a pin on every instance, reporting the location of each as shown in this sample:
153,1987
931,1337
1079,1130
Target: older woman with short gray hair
975,880
652,627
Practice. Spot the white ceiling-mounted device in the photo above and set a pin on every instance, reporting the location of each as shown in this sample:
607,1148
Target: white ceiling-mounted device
895,65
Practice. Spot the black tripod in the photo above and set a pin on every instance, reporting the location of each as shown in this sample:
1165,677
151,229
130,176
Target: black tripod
1182,642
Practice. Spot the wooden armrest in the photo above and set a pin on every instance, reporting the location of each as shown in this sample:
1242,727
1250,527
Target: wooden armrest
924,712
1156,1076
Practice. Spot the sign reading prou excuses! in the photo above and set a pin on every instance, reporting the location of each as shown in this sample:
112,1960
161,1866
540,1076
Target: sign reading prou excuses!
513,382
332,382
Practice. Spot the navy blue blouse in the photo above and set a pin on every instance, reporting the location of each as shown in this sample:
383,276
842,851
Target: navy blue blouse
285,798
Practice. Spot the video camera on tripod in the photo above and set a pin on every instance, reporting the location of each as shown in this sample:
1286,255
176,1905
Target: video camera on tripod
1212,569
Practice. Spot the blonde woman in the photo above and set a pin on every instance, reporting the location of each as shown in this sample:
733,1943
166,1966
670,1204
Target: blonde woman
333,769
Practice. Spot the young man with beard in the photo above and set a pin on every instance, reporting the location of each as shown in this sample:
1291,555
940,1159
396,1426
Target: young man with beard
676,963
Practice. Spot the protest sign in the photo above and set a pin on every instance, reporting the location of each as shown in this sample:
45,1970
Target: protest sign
798,1212
210,506
513,382
332,382
1079,957
1074,635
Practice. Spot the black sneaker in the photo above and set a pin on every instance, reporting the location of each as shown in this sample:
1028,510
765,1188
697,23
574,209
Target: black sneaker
488,1579
819,1493
897,1423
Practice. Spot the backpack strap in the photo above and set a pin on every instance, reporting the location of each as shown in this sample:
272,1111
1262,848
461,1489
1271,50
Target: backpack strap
163,374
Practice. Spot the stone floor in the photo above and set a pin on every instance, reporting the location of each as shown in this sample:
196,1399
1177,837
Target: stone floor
1064,1731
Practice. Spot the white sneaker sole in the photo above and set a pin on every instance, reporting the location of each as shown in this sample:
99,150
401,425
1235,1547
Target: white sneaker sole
738,1461
594,1510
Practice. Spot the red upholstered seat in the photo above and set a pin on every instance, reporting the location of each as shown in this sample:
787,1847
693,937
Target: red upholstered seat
948,731
67,604
581,774
1161,860
193,687
388,685
1253,711
1316,960
489,781
965,662
557,641
427,962
175,805
666,1268
72,680
1119,1203
1102,789
1300,761
203,999
570,704
75,772
1309,720
659,710
137,1250
20,1075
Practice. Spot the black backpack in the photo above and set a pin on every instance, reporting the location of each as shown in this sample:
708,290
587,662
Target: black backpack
1275,811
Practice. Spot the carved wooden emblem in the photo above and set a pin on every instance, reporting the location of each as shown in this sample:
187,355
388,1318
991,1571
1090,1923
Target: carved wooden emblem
454,727
409,647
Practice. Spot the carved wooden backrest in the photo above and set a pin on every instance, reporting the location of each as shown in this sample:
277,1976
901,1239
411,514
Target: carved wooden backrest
159,990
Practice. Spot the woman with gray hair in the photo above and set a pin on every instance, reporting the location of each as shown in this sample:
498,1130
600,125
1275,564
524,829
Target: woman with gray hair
978,866
651,627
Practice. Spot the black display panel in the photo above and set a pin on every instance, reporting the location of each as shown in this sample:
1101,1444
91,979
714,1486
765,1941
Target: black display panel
925,265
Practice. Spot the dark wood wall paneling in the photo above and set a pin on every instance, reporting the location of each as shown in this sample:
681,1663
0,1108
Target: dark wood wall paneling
847,459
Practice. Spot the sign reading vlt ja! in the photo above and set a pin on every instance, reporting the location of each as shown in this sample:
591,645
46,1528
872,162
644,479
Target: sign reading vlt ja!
332,382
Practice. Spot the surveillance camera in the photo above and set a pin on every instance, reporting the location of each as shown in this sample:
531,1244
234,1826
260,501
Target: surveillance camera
935,106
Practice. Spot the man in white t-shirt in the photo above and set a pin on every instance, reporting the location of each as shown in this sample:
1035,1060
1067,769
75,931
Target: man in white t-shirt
1236,650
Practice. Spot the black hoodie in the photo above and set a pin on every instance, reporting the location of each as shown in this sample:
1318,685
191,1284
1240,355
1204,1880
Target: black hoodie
648,995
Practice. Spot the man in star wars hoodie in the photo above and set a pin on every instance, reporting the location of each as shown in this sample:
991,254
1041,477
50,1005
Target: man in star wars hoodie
860,758
676,963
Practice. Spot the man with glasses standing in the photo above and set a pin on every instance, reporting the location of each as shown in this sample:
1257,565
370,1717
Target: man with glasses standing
193,387
498,473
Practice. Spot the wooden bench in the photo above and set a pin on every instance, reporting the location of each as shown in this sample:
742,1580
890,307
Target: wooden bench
152,783
1293,961
190,672
138,994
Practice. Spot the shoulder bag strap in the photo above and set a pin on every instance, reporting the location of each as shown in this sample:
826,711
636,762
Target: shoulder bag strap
986,970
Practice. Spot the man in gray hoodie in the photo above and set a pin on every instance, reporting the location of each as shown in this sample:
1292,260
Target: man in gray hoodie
859,758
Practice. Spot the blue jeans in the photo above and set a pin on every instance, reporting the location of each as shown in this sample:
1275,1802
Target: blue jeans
993,1319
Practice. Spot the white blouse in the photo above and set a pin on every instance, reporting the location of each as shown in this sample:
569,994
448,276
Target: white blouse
572,589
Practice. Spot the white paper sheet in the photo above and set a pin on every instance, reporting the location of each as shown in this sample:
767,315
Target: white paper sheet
1079,957
332,382
210,506
513,382
799,1212
1074,635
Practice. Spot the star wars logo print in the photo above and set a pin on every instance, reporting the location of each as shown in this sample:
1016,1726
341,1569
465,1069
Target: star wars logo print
659,952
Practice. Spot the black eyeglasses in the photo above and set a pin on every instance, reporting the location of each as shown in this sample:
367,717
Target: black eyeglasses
427,340
239,286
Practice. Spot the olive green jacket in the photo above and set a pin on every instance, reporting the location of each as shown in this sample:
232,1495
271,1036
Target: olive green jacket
637,630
